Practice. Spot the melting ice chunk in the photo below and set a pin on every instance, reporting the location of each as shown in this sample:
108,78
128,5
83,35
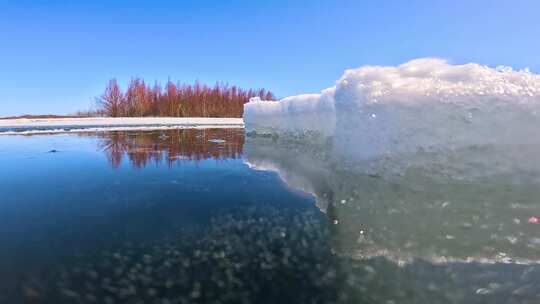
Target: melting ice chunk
424,104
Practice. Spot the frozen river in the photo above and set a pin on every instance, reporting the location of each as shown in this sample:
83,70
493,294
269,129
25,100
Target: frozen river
215,216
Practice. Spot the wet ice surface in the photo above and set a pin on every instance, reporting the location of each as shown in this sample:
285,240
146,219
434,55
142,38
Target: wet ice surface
188,216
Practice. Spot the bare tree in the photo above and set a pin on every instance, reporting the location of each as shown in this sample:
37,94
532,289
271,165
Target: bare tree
112,99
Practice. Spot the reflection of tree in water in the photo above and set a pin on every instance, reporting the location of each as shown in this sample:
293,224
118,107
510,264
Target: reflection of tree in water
142,147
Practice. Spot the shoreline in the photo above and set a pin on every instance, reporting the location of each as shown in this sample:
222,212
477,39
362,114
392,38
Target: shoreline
26,126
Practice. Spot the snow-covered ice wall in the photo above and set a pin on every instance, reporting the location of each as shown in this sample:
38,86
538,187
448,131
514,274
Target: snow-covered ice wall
425,104
296,114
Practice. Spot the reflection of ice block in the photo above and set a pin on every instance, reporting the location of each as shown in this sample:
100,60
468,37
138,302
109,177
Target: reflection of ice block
425,104
416,215
302,169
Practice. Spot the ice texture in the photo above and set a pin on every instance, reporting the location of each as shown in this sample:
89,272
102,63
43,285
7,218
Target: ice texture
425,104
296,114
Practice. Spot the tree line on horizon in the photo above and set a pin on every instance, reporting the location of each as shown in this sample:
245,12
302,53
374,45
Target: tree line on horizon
175,99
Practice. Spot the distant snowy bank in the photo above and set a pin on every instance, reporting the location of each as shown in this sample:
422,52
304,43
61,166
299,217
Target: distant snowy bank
63,125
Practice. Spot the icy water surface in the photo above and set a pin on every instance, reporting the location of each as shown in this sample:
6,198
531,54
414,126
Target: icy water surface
213,216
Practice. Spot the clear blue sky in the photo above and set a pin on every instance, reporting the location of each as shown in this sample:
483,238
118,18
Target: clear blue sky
55,56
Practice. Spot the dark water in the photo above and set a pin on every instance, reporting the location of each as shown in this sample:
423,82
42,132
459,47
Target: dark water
179,216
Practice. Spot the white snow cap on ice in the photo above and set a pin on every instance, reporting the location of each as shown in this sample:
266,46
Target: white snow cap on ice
429,79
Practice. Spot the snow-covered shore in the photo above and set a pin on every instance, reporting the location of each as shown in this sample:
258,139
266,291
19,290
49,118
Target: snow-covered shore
63,125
